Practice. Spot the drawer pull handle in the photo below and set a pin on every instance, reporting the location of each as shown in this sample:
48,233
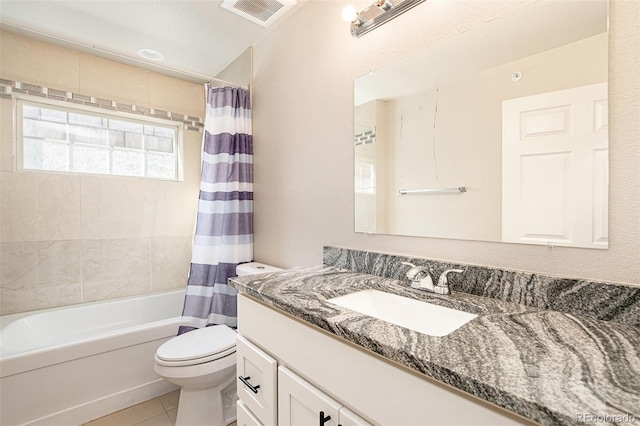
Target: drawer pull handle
323,419
245,380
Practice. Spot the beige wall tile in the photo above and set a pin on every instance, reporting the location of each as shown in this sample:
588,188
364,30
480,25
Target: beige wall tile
174,204
190,210
164,199
114,207
6,135
37,275
170,262
39,206
111,80
192,148
114,268
33,61
114,217
191,189
172,94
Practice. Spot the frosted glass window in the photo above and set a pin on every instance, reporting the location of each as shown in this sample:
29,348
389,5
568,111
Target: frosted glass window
90,159
128,163
86,134
61,139
160,165
44,129
46,155
365,176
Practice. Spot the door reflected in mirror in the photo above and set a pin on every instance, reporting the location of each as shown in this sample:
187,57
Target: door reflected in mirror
513,111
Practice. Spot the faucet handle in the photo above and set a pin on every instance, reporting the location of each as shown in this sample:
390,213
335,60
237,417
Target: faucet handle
411,273
421,276
414,271
443,281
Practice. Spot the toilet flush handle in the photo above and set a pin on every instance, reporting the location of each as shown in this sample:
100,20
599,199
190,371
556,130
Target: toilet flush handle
245,380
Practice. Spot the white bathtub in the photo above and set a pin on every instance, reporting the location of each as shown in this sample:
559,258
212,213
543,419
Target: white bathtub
71,365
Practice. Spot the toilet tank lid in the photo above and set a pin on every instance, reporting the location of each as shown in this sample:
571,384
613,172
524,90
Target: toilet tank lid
253,268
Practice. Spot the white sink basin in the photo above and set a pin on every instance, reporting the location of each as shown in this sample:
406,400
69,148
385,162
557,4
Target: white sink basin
413,314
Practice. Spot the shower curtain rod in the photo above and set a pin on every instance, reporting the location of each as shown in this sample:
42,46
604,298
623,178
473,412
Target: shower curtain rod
111,54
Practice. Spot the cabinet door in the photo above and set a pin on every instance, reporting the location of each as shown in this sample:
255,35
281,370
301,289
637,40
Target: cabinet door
257,381
349,418
301,404
246,417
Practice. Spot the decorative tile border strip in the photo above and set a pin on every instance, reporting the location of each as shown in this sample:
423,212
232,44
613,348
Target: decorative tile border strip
599,300
8,87
365,138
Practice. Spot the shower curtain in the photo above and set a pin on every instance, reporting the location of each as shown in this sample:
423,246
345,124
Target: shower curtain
224,227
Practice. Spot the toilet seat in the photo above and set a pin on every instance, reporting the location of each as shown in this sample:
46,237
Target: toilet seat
197,346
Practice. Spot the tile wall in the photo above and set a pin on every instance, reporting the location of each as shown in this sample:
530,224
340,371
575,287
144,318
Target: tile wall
71,238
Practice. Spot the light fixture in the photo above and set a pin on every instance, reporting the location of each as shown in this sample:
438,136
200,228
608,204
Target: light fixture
150,54
349,14
375,15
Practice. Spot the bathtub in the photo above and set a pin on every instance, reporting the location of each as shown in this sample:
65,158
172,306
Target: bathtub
70,365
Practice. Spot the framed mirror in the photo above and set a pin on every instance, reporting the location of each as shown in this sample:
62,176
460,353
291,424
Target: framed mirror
498,134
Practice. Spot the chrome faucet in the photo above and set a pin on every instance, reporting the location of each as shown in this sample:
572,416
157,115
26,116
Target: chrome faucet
423,278
420,276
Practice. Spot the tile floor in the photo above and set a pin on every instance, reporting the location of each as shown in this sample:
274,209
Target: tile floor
160,411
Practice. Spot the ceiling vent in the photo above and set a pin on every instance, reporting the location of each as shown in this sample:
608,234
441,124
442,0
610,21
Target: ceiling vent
262,12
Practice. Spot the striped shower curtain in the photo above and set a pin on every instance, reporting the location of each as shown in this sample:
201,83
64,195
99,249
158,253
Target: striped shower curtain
224,227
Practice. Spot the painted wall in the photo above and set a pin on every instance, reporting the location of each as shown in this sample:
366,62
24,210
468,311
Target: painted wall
303,127
71,238
238,71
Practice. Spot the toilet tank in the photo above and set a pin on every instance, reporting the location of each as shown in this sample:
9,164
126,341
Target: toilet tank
253,268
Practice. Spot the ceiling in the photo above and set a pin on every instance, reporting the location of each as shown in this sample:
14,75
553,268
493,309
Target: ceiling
196,36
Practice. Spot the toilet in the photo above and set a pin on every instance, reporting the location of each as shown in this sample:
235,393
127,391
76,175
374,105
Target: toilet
203,363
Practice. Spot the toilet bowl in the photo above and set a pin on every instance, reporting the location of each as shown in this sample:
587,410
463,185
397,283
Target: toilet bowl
203,363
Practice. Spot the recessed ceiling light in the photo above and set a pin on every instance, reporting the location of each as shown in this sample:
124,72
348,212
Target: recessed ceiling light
152,55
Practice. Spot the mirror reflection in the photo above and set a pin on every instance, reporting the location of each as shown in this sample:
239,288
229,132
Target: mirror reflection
499,134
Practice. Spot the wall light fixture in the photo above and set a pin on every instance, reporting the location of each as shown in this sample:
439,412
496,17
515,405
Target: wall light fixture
375,15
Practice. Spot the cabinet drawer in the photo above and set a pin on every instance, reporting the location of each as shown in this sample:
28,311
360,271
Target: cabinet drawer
246,417
257,381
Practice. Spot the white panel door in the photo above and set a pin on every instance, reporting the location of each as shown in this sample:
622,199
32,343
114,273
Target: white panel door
301,404
554,168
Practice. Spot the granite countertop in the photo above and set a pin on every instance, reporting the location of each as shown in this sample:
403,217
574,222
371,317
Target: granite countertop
548,366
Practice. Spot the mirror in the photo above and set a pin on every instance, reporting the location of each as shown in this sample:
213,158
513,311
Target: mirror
498,134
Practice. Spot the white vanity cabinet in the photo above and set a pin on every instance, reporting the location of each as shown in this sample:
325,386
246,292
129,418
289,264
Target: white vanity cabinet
300,403
363,386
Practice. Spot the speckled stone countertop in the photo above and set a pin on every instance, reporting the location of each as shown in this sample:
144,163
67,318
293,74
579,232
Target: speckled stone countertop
548,366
